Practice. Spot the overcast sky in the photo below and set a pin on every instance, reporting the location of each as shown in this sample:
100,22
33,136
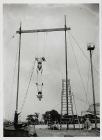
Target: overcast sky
84,22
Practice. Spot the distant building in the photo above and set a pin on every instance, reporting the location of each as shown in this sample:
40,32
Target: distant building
90,113
91,109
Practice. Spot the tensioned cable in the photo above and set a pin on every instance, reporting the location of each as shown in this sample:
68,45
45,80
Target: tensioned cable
79,70
88,78
80,99
15,62
28,87
10,39
76,110
82,50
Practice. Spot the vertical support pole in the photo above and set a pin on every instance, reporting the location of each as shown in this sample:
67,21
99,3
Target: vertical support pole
66,71
93,90
61,107
18,67
70,94
16,112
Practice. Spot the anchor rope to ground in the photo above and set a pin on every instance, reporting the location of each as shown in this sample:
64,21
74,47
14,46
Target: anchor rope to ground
88,78
76,112
14,70
77,43
78,69
26,93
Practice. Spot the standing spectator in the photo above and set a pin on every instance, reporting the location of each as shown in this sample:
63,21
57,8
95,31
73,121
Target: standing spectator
31,129
87,124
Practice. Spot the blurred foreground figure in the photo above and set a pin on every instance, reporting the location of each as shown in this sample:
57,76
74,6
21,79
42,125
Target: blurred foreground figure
31,130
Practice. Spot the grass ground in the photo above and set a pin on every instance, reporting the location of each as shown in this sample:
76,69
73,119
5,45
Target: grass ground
45,132
66,133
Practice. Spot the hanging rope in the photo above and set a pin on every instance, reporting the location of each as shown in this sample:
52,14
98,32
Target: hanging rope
79,71
27,88
82,50
45,44
39,84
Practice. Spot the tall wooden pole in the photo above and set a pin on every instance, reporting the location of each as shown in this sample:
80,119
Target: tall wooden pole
16,112
66,72
91,48
18,68
93,90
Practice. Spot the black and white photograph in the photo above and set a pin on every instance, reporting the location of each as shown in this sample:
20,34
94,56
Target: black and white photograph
51,69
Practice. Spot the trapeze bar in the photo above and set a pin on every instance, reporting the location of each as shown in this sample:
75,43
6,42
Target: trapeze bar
43,30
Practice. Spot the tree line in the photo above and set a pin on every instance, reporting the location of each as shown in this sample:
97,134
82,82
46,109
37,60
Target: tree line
51,117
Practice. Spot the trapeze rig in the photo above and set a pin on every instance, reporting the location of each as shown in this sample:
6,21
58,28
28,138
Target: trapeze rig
20,31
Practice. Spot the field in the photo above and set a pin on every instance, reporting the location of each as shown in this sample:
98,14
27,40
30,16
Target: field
43,131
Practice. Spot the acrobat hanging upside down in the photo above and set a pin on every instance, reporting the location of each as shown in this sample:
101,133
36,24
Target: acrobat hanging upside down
39,64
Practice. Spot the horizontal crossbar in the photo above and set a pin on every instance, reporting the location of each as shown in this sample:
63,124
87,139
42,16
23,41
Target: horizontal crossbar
43,30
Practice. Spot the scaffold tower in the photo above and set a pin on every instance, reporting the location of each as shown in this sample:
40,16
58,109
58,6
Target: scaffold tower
64,99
